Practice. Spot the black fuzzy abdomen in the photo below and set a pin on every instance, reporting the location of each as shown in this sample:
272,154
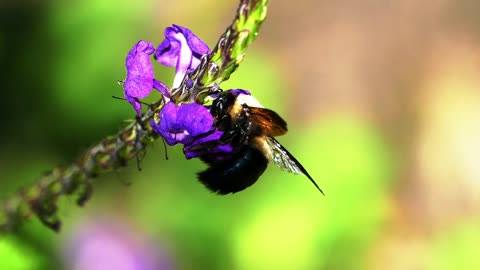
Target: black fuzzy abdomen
235,174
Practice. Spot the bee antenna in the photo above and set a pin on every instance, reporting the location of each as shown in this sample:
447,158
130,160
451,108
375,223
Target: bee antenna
139,157
119,98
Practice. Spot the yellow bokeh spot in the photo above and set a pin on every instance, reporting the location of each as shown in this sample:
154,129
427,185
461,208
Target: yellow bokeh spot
279,238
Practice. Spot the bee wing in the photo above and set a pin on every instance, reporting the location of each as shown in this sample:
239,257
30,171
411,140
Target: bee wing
286,161
272,123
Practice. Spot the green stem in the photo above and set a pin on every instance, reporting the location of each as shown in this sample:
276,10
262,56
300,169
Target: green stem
110,154
229,52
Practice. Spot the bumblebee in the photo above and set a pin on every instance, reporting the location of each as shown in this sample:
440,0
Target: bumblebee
250,130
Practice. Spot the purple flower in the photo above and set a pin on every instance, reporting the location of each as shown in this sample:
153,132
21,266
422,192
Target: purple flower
189,124
181,124
181,49
140,81
208,145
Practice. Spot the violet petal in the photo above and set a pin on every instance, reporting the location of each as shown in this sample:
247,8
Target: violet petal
195,119
182,49
162,88
139,81
179,124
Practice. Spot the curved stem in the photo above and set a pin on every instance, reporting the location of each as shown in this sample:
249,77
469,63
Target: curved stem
227,55
111,153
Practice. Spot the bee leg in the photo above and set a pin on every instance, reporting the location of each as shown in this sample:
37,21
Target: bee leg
224,122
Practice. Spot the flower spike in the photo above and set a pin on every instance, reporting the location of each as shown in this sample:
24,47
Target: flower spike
198,70
217,66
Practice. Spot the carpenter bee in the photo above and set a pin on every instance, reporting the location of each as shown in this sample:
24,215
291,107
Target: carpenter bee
249,129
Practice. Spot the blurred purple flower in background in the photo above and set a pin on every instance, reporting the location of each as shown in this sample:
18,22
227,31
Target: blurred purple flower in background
108,245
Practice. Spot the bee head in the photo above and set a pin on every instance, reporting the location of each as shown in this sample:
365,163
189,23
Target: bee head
225,101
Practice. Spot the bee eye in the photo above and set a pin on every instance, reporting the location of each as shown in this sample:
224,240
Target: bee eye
220,107
217,107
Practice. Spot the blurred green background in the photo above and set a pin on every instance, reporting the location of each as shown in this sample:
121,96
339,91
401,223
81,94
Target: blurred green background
383,104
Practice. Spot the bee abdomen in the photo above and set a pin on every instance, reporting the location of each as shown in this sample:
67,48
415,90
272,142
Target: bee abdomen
236,173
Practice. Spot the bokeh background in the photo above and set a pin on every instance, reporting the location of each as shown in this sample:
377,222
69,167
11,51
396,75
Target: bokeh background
383,104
